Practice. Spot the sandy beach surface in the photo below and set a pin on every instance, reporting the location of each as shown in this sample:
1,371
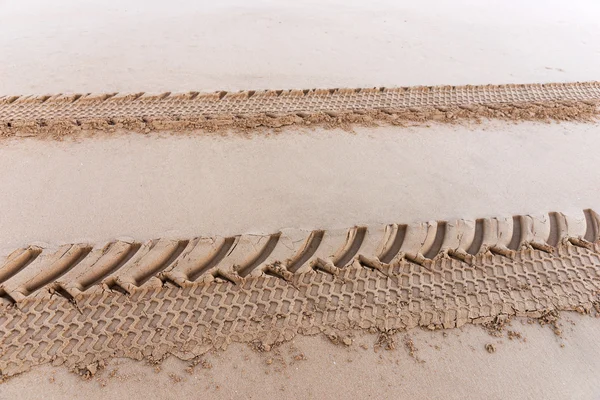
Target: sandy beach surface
107,46
534,364
145,187
170,185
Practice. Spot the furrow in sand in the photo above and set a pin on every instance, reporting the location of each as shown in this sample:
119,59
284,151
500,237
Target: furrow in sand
184,298
64,115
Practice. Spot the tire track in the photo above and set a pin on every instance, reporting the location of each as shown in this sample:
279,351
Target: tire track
129,267
155,322
60,115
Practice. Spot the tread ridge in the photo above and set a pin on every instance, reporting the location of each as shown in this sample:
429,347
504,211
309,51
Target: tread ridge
132,266
155,322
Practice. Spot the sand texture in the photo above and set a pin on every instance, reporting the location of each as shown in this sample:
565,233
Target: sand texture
79,306
139,46
529,362
143,187
89,293
311,199
65,115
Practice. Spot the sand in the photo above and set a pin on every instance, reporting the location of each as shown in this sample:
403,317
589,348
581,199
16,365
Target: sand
63,116
109,46
143,187
93,188
122,193
146,312
453,366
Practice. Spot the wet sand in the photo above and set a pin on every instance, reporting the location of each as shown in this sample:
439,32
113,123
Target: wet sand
452,365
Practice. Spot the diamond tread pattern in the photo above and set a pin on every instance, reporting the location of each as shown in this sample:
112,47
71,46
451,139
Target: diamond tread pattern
186,322
193,104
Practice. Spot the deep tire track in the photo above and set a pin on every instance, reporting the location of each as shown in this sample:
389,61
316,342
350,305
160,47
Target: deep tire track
186,322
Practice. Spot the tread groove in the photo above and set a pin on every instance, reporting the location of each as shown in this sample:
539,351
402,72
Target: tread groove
310,248
358,236
97,278
394,249
515,241
36,284
223,251
436,246
27,257
261,257
478,238
591,232
181,245
554,235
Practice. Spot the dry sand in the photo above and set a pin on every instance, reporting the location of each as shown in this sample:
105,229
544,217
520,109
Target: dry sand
109,45
144,187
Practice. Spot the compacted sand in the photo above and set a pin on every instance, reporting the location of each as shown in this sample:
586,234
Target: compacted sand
409,247
534,364
147,187
66,198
